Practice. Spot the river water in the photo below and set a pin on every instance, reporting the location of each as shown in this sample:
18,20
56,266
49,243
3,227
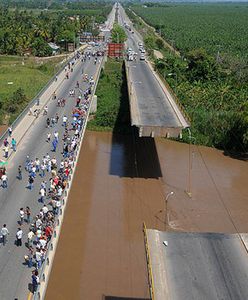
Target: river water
121,182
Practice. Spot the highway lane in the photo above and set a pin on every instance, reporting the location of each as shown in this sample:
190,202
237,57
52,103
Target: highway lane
153,104
14,276
198,265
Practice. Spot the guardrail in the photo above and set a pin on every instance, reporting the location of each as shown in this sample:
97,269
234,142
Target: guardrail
133,106
149,265
46,266
33,101
179,104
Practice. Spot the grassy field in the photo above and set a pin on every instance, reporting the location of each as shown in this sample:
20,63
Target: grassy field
214,27
113,106
28,74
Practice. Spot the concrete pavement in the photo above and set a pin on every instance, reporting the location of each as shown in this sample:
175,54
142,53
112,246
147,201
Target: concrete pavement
153,109
12,271
198,266
31,134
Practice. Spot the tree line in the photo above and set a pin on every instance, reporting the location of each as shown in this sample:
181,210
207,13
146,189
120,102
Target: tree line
24,30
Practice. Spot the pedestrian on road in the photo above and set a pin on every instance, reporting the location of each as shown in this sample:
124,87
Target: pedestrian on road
30,256
49,137
38,258
45,110
53,121
10,131
4,181
13,144
42,168
56,135
5,142
20,172
42,195
19,237
35,280
27,162
21,216
54,145
4,233
30,238
57,118
64,120
28,214
30,182
6,151
48,122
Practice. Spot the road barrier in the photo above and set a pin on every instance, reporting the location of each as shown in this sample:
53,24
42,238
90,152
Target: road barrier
51,249
149,264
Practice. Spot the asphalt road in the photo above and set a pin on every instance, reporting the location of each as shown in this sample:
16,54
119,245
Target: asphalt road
206,266
14,275
154,108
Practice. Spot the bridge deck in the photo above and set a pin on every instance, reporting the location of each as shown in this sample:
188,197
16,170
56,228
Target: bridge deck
153,109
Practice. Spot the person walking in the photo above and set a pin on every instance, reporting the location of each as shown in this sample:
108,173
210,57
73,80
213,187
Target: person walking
21,216
30,256
48,137
28,214
4,233
47,122
42,195
4,181
57,118
20,172
27,162
6,151
30,238
42,168
19,234
38,258
10,131
13,144
35,281
54,145
30,182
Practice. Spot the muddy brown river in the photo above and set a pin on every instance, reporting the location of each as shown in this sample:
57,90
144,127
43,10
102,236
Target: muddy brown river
121,182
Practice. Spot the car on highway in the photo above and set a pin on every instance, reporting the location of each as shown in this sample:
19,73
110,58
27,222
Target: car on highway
142,57
143,51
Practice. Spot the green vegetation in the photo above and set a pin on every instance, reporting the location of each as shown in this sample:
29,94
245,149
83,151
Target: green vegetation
20,83
214,27
113,106
118,34
24,31
211,81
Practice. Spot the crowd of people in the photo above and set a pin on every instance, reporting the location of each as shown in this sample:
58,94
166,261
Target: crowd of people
55,173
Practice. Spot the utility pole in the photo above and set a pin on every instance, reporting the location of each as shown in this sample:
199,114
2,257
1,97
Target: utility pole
166,206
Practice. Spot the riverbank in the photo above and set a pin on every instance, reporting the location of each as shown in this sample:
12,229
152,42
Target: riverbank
122,181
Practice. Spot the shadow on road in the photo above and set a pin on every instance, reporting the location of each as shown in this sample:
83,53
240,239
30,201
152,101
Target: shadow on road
132,156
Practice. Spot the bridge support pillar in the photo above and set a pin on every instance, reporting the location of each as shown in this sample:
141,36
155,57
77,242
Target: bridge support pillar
93,108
